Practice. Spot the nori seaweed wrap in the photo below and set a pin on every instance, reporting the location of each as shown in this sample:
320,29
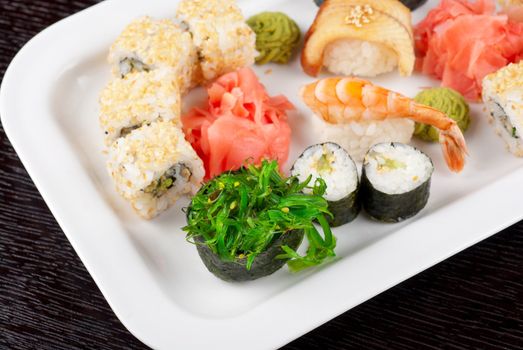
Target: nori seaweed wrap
330,162
395,181
265,263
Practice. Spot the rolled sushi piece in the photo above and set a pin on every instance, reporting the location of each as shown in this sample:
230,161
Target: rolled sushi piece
223,39
503,96
330,162
147,44
153,166
140,98
395,181
363,38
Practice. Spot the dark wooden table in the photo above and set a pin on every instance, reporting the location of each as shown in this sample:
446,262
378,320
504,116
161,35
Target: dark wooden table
49,301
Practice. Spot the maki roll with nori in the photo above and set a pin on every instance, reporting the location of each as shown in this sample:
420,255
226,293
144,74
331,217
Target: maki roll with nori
248,223
395,181
332,163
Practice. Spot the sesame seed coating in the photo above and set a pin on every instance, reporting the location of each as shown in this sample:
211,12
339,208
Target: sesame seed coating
150,147
507,79
210,9
224,41
136,99
503,95
156,43
359,15
146,154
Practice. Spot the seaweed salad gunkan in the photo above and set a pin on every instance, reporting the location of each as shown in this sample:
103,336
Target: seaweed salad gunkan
248,223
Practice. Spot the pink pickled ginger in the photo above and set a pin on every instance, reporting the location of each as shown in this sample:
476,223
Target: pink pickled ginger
241,123
460,42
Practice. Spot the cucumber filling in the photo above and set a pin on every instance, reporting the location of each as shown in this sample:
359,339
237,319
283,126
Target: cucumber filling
126,131
325,163
132,65
385,163
180,173
499,113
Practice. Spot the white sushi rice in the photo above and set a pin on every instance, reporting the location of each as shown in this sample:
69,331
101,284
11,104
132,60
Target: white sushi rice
224,40
503,96
136,99
361,58
412,168
144,156
156,43
357,137
340,176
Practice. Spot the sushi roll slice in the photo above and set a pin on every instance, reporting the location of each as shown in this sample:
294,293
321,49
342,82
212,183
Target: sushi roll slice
153,166
363,38
334,165
139,98
147,44
224,40
502,94
395,181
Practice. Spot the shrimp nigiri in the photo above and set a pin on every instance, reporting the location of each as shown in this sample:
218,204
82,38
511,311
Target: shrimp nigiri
344,100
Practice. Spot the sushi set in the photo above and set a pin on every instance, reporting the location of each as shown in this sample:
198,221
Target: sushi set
237,158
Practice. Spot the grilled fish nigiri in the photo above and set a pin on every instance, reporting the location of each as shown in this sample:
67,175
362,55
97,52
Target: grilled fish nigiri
360,37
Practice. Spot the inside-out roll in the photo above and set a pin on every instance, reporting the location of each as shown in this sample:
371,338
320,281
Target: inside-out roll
139,98
153,166
147,44
223,40
503,96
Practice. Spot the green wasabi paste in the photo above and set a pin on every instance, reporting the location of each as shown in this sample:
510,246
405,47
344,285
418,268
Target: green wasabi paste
448,101
277,36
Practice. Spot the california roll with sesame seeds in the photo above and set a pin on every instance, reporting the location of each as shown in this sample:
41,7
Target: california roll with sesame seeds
395,181
147,44
222,37
153,166
139,98
332,163
503,96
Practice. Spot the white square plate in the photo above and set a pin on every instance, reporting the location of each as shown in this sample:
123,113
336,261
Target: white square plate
151,277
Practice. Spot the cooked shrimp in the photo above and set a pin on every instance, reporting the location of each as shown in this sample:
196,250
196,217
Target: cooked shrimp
343,100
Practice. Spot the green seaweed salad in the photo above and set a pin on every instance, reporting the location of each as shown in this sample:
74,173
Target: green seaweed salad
239,214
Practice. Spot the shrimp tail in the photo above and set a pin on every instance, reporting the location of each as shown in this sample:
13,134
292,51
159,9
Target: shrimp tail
454,147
